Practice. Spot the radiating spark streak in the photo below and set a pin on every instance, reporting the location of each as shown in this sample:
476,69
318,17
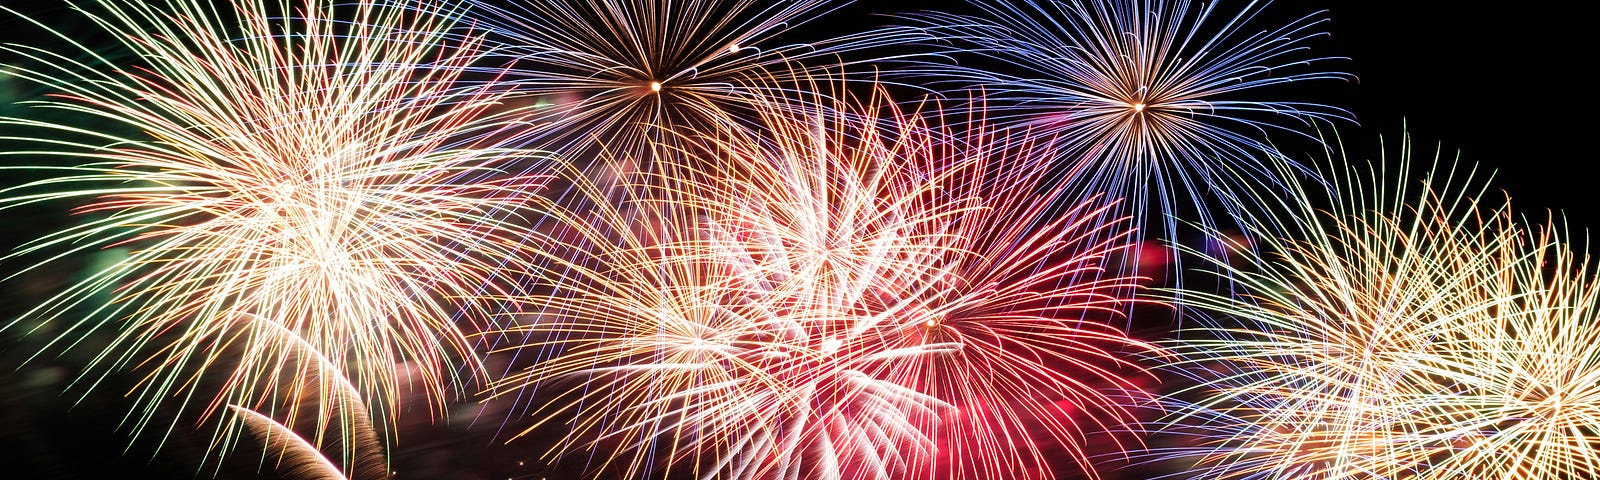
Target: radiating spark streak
771,318
297,458
614,79
275,173
1166,103
1399,333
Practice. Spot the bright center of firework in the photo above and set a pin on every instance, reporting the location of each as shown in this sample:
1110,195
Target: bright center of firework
733,47
281,194
831,345
1138,107
655,86
932,322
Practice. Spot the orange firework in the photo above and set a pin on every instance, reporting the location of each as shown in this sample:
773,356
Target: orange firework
1397,333
617,79
325,178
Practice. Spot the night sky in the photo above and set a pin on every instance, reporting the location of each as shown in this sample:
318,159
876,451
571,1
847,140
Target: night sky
1500,87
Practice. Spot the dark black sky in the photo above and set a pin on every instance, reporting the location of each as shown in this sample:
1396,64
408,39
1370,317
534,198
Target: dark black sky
1502,87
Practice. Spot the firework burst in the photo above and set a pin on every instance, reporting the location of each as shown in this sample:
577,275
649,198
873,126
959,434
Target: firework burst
326,178
1398,335
1166,103
858,293
615,79
1516,395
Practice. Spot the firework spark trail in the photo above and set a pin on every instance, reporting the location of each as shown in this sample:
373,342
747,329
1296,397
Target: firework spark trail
846,296
616,79
1335,317
317,383
1515,394
1010,289
1166,103
715,337
1401,335
299,459
1022,288
615,85
327,177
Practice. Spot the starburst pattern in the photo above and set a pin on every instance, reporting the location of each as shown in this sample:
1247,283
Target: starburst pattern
1166,103
615,79
857,294
1409,334
304,174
